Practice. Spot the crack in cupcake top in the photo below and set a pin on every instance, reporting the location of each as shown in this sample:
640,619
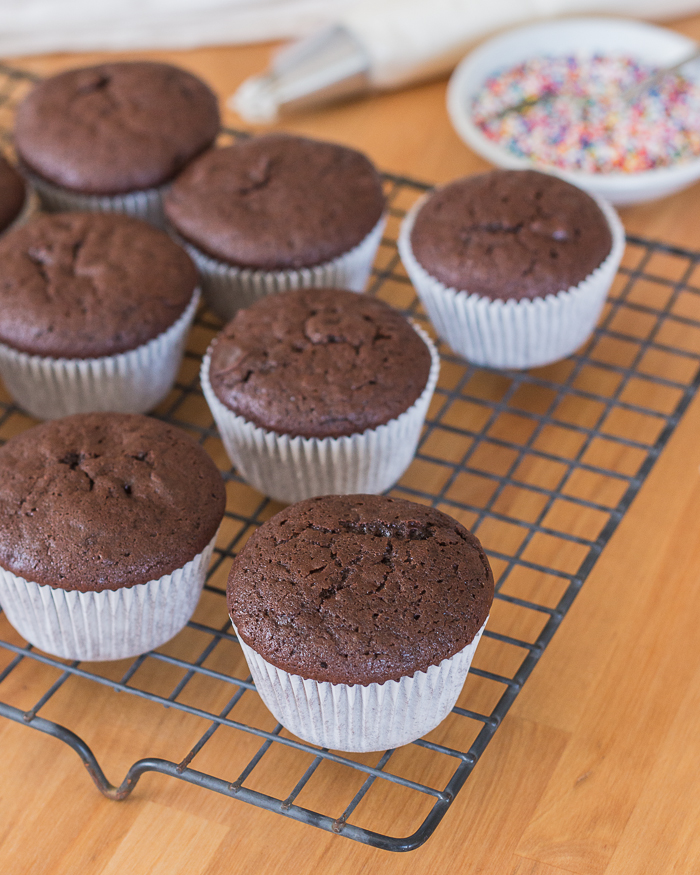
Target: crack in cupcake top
510,234
319,363
359,589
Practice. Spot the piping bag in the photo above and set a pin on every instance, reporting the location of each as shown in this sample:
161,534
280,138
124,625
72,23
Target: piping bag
380,44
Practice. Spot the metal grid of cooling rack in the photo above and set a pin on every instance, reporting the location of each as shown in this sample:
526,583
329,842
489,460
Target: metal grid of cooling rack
541,465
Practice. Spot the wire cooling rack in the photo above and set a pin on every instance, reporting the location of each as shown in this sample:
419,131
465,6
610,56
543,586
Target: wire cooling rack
541,465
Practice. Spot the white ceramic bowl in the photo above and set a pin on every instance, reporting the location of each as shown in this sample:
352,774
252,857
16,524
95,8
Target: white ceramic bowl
582,36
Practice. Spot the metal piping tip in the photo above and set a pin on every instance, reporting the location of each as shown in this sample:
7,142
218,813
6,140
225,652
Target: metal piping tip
323,67
256,100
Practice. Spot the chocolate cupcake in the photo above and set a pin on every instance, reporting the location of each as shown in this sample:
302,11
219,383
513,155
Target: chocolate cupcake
107,523
16,199
109,137
94,313
513,266
278,212
359,616
320,391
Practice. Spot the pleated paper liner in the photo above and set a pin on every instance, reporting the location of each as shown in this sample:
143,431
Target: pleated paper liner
128,382
227,288
352,717
112,624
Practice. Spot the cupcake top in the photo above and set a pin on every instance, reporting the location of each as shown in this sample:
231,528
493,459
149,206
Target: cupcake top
116,127
12,193
104,501
84,285
510,234
319,363
359,589
277,202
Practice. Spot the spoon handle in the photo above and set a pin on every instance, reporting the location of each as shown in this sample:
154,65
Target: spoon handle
631,94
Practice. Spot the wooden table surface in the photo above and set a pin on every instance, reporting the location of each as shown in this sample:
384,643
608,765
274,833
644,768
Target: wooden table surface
595,768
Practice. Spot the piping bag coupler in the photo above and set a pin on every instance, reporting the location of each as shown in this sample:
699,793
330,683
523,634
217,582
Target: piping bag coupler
326,66
374,44
377,44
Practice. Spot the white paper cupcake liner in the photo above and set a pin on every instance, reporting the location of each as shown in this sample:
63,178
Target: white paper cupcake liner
227,288
515,334
351,717
290,469
129,382
145,204
112,624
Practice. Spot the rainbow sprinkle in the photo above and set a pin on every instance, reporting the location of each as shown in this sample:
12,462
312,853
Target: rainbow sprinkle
597,134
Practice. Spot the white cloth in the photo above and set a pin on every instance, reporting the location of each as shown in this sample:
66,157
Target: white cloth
408,40
36,26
